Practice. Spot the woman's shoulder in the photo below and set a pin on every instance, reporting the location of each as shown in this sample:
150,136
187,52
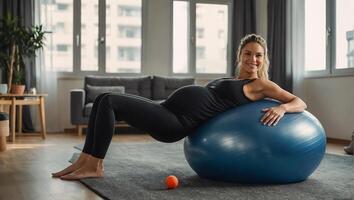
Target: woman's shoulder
264,83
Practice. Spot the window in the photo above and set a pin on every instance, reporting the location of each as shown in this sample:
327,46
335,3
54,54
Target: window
58,51
129,31
83,30
129,11
200,33
200,53
62,47
344,27
329,28
126,38
128,54
221,14
89,38
62,6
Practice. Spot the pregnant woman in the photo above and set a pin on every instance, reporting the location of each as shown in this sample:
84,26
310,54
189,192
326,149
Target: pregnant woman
184,110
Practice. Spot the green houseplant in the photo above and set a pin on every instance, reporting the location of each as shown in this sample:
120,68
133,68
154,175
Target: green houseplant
16,43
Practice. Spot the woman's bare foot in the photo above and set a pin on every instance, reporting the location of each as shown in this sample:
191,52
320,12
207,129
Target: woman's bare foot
75,166
92,168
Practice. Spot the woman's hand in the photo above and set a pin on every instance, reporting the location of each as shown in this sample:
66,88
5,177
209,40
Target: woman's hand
273,115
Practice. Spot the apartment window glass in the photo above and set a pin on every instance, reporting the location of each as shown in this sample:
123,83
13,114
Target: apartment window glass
315,35
129,10
126,37
180,37
329,30
89,39
83,32
344,33
200,33
58,51
210,45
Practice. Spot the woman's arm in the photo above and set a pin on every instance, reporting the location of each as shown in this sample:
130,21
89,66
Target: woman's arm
290,102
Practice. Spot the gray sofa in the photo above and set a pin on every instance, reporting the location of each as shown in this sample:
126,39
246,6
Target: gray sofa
156,88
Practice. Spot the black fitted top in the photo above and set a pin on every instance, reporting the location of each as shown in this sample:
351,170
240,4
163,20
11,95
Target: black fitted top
194,105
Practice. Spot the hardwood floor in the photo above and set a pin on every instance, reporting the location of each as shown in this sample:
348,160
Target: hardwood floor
26,165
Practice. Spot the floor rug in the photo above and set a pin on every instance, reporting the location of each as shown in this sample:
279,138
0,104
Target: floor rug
135,171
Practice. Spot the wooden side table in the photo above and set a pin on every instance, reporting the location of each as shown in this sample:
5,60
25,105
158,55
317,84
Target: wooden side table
14,100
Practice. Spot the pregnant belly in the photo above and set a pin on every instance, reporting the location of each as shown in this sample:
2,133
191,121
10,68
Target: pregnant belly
188,98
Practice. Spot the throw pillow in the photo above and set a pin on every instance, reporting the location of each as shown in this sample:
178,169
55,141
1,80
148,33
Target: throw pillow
93,91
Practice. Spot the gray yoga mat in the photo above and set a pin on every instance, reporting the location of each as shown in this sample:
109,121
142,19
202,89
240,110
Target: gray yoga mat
138,170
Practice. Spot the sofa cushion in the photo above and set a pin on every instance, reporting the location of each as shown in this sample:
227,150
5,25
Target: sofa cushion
87,109
93,91
132,85
162,87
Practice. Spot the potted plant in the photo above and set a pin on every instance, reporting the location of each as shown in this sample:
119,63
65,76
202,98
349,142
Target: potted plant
16,43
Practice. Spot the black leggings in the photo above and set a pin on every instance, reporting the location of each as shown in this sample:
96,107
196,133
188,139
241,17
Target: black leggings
139,112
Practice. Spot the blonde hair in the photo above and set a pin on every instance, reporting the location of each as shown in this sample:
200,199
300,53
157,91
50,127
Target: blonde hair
263,70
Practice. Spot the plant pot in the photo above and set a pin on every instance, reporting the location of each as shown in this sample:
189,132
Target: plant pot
17,89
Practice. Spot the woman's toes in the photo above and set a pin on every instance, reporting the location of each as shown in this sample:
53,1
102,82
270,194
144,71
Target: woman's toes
61,173
83,173
67,170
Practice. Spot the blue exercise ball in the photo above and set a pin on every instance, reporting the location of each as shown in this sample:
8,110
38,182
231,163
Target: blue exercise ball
235,146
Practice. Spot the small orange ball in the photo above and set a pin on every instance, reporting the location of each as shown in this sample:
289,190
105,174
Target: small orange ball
171,182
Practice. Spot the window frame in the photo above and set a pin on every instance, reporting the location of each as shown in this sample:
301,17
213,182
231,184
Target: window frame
192,37
76,41
330,70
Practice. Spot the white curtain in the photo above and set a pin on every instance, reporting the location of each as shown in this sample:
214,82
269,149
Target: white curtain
46,75
295,40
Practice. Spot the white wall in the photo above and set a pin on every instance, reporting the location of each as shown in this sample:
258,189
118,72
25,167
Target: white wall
331,100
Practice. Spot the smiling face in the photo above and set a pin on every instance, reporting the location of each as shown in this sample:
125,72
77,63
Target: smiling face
252,59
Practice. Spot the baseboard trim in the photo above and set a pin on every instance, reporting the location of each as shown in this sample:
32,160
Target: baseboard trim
70,130
338,141
329,140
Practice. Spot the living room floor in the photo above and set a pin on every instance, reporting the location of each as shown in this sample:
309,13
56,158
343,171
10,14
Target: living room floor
26,166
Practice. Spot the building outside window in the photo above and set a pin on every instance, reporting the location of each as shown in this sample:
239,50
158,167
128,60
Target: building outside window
83,50
200,55
129,31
